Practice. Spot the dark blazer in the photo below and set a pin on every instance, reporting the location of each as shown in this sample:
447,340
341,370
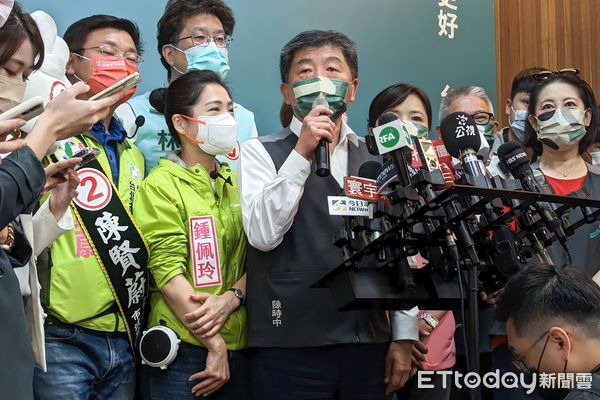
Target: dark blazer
21,181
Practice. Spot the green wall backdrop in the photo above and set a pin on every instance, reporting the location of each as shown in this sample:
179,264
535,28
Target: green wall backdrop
398,41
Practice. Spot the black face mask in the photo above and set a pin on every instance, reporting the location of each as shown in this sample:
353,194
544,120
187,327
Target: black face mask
547,393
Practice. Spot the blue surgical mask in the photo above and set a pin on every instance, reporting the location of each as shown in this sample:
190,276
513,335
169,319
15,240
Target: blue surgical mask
519,124
209,57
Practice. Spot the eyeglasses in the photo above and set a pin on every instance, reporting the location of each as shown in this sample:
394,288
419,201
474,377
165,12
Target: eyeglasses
542,76
112,51
520,364
202,39
482,117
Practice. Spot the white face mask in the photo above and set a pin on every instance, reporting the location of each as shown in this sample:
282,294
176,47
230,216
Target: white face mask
217,134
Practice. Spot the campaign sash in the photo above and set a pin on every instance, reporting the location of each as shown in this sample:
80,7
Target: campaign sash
117,242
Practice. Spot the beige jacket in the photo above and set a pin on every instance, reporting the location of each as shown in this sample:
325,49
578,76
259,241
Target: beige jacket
41,230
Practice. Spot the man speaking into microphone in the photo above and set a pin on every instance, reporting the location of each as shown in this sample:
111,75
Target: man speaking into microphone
305,348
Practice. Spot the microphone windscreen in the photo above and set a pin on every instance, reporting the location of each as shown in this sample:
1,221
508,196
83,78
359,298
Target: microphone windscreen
369,170
140,121
213,174
507,148
385,118
459,132
514,158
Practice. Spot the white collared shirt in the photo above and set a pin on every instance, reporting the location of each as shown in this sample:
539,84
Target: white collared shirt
269,197
270,200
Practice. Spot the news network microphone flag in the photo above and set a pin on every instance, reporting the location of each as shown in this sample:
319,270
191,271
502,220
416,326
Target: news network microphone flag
394,135
362,188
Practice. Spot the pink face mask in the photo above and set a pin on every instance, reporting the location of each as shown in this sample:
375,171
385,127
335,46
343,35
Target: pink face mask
107,71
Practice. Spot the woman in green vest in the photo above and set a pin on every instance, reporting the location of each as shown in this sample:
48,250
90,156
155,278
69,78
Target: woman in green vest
189,211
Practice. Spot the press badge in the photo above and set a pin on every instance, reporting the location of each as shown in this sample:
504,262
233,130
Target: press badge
205,252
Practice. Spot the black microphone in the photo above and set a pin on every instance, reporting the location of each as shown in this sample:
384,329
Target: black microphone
461,138
322,163
215,174
369,170
366,227
516,161
401,156
139,122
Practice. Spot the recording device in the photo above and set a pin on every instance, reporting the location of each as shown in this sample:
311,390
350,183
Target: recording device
516,161
27,110
158,346
126,83
87,155
322,162
140,120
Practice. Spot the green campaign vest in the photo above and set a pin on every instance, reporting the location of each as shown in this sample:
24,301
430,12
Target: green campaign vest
96,276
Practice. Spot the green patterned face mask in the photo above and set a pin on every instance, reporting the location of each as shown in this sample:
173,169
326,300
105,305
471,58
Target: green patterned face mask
306,91
561,128
487,130
422,130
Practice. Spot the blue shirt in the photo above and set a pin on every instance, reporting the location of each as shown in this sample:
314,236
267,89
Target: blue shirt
116,133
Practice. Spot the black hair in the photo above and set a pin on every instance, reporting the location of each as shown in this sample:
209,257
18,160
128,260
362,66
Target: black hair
587,96
172,22
541,295
316,38
313,38
20,26
524,81
182,95
393,95
78,32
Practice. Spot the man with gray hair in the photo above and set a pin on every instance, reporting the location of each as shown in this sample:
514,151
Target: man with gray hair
474,101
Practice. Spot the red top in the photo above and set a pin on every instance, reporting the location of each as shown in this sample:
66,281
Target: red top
563,187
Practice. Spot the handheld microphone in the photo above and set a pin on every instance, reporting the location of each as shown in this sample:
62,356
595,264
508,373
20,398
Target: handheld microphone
516,161
322,162
215,174
140,120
